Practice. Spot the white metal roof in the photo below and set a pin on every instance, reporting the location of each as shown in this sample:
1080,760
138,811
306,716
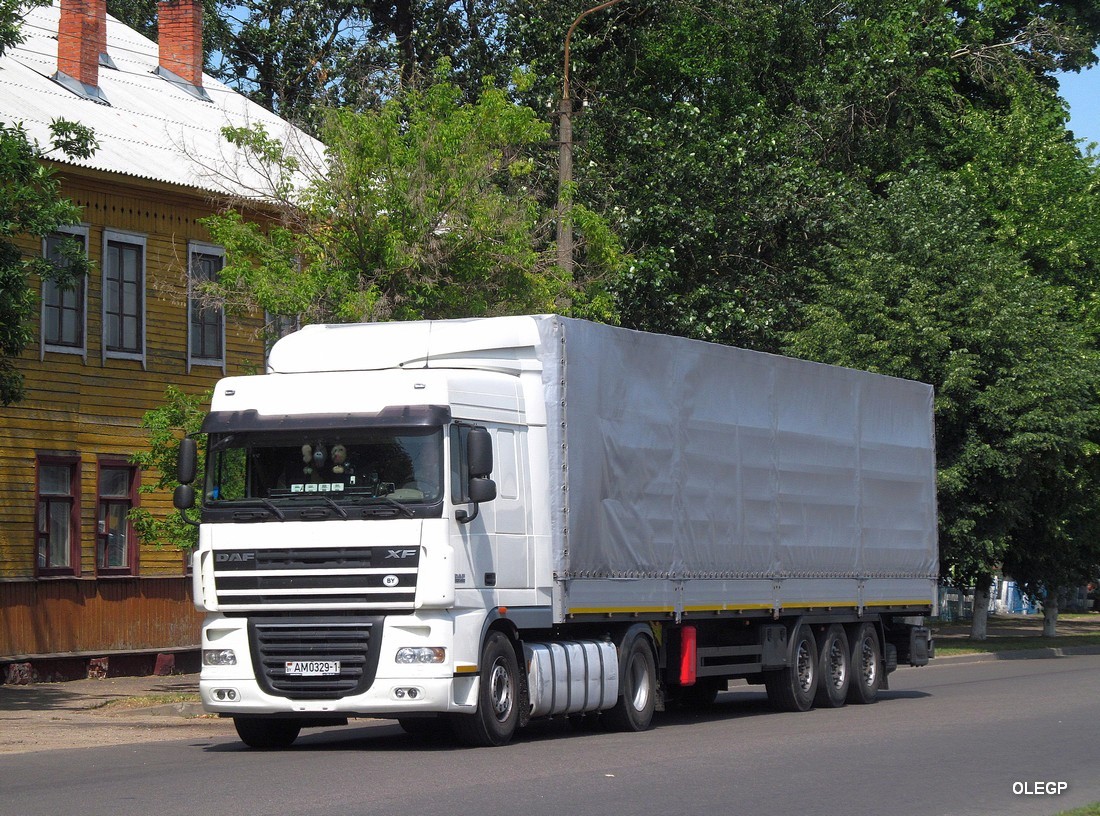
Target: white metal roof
151,129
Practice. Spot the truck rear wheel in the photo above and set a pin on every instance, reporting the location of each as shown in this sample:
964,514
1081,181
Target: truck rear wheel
267,734
638,675
497,714
867,665
794,687
834,668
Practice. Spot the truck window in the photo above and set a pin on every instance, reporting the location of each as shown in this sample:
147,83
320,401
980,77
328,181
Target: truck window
402,464
460,475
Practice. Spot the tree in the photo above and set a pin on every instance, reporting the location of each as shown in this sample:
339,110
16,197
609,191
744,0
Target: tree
423,211
720,138
30,205
180,416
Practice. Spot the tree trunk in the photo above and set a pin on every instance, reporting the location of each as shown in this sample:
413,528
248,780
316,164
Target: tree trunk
1050,615
979,622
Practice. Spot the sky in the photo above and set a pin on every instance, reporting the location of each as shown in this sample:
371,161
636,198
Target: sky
1082,91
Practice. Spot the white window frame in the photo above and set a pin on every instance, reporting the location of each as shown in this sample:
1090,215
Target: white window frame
77,231
137,239
193,248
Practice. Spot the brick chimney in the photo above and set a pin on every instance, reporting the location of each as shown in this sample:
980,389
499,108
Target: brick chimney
179,24
81,39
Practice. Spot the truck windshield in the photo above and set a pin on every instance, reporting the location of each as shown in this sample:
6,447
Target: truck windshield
347,467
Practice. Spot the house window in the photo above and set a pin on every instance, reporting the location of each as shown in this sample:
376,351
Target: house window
58,516
124,296
206,320
116,544
64,314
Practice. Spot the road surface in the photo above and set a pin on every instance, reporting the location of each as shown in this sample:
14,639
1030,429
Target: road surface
1006,737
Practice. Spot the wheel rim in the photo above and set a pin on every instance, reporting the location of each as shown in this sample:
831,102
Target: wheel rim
639,683
868,665
805,666
838,667
501,689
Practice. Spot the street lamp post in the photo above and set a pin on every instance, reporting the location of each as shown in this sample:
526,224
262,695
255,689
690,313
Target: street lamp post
565,150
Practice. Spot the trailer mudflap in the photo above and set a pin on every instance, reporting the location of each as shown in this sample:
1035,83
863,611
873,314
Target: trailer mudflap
921,647
774,651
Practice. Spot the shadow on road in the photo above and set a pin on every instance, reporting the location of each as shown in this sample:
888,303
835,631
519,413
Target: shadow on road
385,735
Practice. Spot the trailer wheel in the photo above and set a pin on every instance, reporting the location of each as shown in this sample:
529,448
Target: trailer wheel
794,687
834,668
638,675
267,734
497,714
867,665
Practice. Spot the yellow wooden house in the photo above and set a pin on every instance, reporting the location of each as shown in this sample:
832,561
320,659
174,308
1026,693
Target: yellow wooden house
75,582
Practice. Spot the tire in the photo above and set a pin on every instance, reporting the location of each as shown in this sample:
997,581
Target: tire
834,668
267,734
498,700
867,665
633,711
794,687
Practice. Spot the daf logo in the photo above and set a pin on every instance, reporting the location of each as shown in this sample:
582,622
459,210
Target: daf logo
234,557
400,553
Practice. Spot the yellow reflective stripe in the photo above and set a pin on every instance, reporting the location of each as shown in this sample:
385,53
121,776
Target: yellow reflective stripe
607,610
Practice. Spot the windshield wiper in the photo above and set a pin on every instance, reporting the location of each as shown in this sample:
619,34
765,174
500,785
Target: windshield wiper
404,508
278,513
343,513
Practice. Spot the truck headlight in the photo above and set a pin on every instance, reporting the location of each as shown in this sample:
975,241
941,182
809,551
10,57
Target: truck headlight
421,654
219,657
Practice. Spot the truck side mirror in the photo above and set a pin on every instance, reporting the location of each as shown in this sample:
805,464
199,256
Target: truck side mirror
188,463
479,464
186,467
184,497
482,489
479,452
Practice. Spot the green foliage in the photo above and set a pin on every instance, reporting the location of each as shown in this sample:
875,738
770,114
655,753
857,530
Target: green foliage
721,138
425,211
181,415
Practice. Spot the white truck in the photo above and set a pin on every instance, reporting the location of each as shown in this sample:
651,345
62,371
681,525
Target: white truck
468,524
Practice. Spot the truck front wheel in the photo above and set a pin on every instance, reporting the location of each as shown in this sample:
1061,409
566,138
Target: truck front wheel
638,675
266,734
497,714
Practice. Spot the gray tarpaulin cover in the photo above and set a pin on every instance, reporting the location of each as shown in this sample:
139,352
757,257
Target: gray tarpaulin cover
689,459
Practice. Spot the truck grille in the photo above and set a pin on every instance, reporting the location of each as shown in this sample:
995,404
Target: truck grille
316,578
351,641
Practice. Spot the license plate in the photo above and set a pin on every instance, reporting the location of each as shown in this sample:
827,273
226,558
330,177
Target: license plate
312,668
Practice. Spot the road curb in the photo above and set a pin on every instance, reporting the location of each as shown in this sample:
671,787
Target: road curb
1018,654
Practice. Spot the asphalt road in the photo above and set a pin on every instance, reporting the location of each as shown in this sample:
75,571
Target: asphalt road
978,738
